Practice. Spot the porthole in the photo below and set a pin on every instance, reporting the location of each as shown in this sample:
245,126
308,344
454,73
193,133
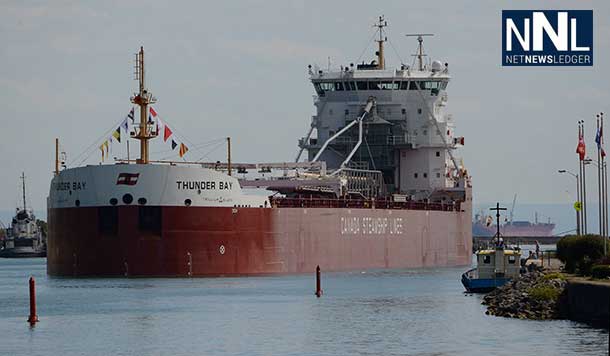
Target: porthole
113,201
77,202
187,202
127,199
142,201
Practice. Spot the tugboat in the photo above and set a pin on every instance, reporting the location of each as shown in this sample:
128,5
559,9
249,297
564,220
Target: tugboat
496,264
23,238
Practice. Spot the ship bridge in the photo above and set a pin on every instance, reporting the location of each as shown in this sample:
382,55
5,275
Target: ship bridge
407,135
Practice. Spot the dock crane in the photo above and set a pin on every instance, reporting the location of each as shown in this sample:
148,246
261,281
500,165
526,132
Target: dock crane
512,209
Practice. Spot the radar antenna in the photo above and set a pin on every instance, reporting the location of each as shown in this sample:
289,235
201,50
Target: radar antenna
380,56
420,47
143,98
497,209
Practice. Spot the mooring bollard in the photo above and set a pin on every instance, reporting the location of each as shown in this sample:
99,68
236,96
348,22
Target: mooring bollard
33,318
318,284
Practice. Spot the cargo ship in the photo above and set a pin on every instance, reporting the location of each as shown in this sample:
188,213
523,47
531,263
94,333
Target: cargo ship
482,226
514,229
380,188
24,237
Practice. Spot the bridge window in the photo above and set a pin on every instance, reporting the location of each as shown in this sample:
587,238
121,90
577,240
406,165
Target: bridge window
373,85
338,86
414,85
361,85
327,86
431,85
487,259
318,89
388,86
351,85
404,85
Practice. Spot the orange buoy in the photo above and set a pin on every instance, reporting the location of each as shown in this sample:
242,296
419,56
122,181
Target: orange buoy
33,318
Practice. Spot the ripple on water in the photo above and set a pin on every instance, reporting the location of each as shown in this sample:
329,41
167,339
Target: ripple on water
389,312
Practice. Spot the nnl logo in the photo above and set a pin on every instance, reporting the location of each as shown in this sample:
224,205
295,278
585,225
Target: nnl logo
547,37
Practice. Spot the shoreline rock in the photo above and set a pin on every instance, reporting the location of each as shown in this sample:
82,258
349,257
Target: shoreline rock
534,295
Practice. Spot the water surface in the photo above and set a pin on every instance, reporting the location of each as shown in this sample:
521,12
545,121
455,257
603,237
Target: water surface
398,312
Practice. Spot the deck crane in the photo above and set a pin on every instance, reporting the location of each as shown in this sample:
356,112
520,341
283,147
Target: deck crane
367,109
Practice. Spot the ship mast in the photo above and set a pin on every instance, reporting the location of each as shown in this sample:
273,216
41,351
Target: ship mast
143,98
380,57
23,181
420,48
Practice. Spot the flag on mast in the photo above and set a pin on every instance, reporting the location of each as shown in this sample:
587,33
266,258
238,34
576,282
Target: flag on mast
153,114
580,148
117,134
167,132
174,144
601,137
183,150
130,116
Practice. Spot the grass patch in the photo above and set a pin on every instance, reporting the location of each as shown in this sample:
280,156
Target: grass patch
554,275
543,293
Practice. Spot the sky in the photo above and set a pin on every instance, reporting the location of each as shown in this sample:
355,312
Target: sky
239,69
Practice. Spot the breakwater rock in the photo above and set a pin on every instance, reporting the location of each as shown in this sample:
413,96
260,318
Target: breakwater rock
534,295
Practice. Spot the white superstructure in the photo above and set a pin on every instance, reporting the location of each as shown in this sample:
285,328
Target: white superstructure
408,134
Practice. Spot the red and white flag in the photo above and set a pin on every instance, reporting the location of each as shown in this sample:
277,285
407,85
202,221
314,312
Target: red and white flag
167,132
127,179
580,148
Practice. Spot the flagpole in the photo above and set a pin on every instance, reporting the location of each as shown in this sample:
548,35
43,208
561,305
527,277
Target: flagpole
584,181
599,180
582,207
604,183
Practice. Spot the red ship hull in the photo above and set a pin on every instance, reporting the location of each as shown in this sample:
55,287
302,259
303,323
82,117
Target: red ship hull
214,241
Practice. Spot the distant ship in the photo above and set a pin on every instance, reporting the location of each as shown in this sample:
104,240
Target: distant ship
482,226
23,238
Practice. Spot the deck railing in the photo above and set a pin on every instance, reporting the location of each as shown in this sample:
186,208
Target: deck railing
362,204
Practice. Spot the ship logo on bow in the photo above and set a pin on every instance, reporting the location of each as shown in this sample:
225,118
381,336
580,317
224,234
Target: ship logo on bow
127,179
